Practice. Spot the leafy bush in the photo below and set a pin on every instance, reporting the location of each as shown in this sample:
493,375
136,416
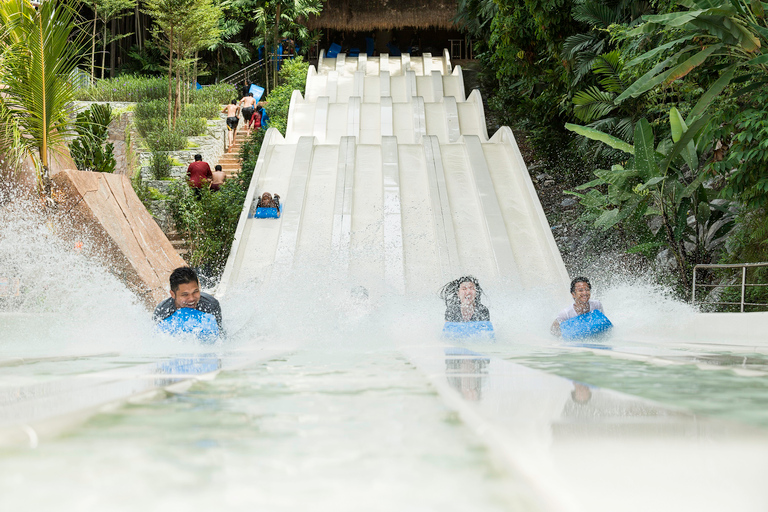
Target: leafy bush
160,167
219,94
152,123
90,150
206,110
293,76
164,139
209,223
125,88
191,126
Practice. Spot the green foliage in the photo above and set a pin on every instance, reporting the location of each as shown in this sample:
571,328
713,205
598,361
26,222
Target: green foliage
208,223
664,183
160,166
141,189
292,77
91,151
151,122
38,50
125,88
745,137
165,139
219,94
249,154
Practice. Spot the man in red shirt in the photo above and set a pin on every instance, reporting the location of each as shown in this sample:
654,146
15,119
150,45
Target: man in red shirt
198,172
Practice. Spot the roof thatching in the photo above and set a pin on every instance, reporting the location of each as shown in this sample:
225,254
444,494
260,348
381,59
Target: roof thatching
364,15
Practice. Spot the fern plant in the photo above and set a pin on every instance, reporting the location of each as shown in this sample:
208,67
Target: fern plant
90,150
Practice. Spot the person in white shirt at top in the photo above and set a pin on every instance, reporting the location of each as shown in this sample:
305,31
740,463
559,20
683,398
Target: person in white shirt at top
581,292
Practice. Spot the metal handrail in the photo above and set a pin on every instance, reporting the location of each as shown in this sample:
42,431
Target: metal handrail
743,285
237,75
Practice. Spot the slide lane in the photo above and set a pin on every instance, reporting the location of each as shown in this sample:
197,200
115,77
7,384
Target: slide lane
585,448
397,216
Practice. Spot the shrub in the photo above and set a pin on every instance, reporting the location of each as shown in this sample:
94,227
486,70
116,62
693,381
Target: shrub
207,110
191,126
292,77
160,167
91,151
125,88
164,139
219,94
209,223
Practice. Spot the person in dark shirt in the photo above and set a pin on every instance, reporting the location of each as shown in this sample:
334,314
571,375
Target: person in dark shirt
462,301
185,293
198,172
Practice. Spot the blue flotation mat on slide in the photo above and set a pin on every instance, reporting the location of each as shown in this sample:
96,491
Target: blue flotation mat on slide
468,329
585,326
266,213
191,321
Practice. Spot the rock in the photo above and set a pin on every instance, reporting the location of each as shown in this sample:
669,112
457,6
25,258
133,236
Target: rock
122,231
568,202
665,260
549,183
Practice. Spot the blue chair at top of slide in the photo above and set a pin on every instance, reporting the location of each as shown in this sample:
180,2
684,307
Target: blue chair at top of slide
468,330
191,321
394,51
585,326
333,51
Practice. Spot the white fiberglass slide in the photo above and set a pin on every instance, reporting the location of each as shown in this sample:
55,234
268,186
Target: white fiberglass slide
387,177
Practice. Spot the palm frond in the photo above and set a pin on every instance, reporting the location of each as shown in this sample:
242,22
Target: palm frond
593,103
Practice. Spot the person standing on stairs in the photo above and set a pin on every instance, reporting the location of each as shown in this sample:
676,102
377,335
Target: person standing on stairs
198,173
218,178
248,107
233,118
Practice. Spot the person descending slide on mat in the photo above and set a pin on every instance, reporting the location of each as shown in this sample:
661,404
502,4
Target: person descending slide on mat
268,201
185,293
581,291
462,301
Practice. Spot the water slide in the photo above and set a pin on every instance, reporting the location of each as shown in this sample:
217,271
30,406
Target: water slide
387,175
389,179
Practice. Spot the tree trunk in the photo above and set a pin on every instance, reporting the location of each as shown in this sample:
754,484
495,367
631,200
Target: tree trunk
93,50
104,50
137,15
266,58
170,79
194,76
113,50
177,102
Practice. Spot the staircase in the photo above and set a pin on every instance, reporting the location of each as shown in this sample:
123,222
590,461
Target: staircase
230,161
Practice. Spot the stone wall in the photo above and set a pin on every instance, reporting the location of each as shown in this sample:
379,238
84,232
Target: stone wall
211,146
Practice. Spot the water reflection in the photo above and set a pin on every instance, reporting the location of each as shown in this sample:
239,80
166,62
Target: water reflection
466,375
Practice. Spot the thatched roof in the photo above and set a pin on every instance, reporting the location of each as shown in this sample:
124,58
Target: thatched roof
365,15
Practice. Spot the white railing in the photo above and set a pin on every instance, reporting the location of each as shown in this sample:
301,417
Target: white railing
744,284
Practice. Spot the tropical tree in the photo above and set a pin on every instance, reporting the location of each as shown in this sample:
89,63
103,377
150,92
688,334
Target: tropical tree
38,50
105,11
279,19
182,27
228,29
664,182
729,34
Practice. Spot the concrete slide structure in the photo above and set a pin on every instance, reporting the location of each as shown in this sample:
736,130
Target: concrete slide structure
386,170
